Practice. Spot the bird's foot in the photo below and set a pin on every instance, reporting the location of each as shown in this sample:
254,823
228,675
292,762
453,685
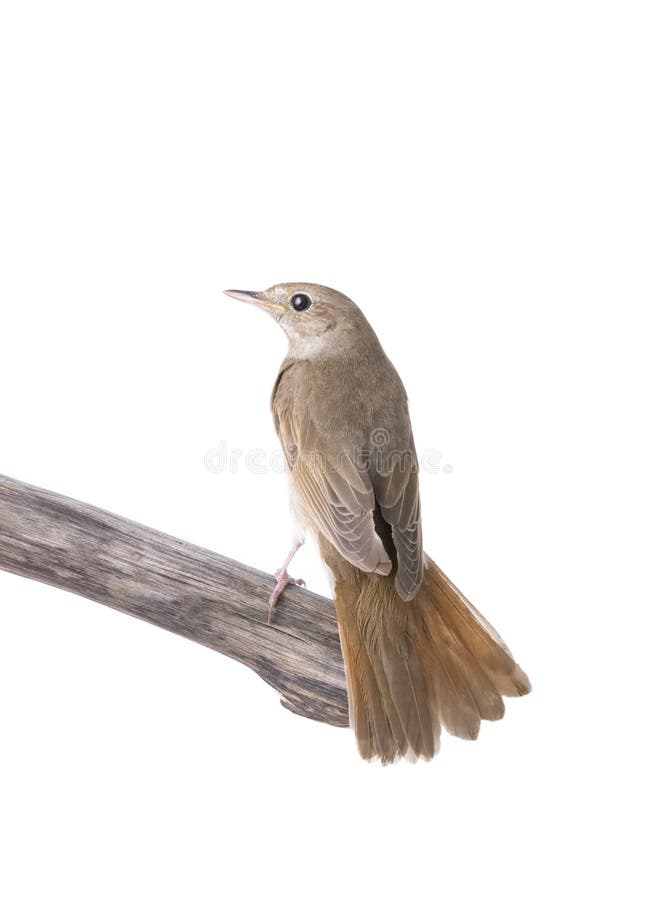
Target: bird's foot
283,578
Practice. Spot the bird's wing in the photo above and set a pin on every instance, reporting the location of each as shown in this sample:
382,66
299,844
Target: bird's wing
396,487
334,490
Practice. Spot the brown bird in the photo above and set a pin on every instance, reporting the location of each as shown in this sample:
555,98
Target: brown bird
417,653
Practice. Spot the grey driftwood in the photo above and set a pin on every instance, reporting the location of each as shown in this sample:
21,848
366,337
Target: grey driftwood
190,591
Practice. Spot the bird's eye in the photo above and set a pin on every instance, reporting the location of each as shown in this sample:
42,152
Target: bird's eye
300,302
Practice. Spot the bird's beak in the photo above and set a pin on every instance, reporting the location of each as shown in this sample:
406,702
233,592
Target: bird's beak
255,298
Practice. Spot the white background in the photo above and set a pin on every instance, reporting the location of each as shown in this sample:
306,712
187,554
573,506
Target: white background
479,177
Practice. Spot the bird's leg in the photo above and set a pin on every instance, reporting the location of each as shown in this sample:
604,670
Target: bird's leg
283,577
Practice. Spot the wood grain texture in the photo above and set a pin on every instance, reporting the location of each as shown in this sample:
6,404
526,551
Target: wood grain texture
200,595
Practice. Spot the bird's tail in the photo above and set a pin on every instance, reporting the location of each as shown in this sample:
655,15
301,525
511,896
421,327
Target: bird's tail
415,666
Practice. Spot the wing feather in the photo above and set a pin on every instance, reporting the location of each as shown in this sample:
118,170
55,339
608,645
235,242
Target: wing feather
340,484
334,493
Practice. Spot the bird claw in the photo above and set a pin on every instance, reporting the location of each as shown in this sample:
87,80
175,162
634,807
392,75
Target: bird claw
283,578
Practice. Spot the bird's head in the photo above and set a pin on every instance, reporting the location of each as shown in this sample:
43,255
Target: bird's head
316,319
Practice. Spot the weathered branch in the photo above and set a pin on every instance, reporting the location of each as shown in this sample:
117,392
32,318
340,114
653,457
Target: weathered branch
187,590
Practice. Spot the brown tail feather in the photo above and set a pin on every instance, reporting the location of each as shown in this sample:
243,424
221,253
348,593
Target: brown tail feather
415,666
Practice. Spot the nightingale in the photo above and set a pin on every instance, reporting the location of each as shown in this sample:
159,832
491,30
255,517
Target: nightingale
418,655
